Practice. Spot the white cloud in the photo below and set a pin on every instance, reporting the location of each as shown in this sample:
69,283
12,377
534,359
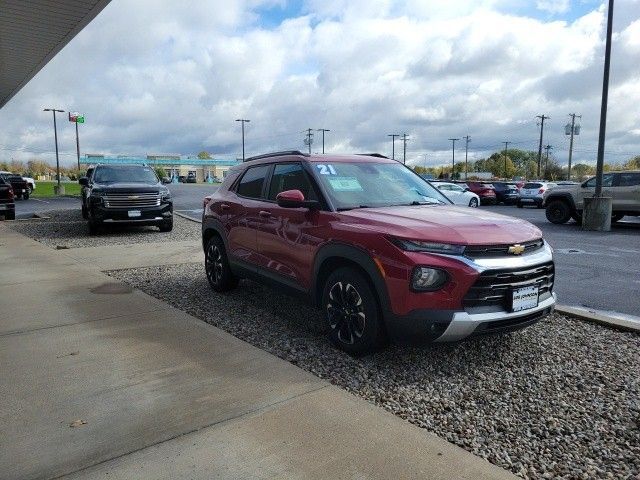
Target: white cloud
553,6
161,77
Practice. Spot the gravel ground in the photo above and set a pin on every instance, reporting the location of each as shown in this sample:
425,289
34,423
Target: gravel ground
67,228
560,399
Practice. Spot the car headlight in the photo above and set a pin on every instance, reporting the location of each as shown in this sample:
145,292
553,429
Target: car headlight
165,196
426,279
429,247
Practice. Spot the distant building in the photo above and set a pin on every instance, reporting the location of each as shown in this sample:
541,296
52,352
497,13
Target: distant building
172,164
479,175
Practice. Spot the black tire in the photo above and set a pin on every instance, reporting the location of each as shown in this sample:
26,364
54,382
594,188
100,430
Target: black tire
558,212
85,215
352,313
25,195
616,217
30,189
216,266
10,215
166,226
473,203
577,216
519,205
95,226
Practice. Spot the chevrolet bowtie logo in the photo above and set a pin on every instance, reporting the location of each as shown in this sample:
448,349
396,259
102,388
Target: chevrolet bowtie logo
133,197
516,249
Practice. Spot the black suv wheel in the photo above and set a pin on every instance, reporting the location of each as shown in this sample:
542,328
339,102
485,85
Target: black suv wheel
216,265
352,313
166,226
558,212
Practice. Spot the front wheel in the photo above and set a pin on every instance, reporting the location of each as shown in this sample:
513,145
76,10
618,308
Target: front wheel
216,265
25,195
352,312
473,203
166,226
558,212
519,205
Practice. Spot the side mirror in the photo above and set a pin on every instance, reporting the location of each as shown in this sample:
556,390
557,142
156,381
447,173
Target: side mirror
467,189
295,199
84,181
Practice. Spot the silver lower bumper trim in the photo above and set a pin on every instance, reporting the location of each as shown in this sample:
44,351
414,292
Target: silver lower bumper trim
133,220
464,324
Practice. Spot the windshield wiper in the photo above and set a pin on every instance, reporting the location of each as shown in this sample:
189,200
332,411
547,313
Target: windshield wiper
342,209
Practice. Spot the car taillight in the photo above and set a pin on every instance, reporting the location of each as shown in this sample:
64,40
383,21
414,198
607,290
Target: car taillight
11,194
541,190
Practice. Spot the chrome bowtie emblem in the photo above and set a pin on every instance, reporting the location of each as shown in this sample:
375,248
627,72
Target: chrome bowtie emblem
516,249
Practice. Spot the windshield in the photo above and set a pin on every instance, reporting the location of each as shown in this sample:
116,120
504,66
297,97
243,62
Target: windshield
365,184
127,174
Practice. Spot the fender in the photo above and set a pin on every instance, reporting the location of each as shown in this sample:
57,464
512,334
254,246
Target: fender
352,254
561,196
210,223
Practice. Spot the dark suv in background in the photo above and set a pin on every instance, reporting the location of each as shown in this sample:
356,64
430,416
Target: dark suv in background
125,194
381,251
506,192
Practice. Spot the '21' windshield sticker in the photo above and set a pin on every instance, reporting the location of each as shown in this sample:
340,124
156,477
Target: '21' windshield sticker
326,169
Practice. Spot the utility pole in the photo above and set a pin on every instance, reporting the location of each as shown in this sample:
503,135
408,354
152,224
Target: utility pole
467,139
542,119
573,129
453,156
243,121
603,107
506,146
546,163
55,135
323,130
393,144
309,139
404,149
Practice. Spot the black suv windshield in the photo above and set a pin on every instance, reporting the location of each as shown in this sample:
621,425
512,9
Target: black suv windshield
124,174
366,184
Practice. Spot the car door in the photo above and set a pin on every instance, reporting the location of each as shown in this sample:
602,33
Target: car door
588,188
626,192
286,240
243,217
457,195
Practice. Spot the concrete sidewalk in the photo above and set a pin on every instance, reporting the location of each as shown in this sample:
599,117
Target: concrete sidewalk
98,379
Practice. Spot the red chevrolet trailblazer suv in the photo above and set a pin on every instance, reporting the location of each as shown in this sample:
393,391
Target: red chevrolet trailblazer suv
380,250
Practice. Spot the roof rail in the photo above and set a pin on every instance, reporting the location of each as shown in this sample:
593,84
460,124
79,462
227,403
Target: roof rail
277,154
377,155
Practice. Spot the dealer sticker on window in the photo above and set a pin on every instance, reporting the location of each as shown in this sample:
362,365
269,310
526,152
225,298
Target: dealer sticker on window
345,184
524,298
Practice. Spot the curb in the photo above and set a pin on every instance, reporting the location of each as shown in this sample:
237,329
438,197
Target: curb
181,215
627,323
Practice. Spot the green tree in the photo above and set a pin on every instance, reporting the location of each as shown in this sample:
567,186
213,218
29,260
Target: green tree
204,155
581,171
632,163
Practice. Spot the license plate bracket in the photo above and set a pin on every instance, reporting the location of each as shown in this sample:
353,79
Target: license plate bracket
524,298
134,213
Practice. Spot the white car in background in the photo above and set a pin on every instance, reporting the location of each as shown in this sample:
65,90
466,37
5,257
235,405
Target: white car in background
458,194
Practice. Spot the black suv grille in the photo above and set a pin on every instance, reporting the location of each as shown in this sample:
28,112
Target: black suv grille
493,287
484,251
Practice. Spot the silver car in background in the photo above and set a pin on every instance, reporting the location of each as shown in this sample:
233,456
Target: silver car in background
531,193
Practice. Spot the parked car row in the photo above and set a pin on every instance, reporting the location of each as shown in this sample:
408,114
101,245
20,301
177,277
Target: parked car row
20,186
7,200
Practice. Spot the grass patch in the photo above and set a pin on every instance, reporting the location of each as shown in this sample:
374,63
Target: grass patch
45,189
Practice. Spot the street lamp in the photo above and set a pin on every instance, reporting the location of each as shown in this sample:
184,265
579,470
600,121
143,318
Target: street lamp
243,121
55,135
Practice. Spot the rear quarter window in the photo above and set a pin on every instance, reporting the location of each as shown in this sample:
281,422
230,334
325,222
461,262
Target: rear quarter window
252,181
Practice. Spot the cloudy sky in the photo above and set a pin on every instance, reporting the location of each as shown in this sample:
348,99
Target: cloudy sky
171,77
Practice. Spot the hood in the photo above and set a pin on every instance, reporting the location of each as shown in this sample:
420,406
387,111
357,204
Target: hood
444,224
129,187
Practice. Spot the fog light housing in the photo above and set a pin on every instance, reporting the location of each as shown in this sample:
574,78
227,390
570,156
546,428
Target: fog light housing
428,279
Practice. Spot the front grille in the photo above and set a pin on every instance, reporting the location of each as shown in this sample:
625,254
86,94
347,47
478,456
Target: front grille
131,200
486,251
494,287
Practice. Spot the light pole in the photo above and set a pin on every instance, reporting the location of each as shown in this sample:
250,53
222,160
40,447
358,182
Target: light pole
542,119
453,156
467,139
243,121
77,118
393,144
573,132
323,130
55,135
506,146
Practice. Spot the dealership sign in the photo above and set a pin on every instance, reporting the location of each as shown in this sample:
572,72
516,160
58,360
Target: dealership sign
76,117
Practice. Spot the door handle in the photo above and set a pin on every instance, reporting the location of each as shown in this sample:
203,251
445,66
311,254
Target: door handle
224,206
264,213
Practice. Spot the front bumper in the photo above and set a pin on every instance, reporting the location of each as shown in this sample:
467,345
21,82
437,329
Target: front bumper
423,326
148,215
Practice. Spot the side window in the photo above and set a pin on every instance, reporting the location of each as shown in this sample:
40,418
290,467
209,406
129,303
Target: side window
251,182
290,176
607,181
629,179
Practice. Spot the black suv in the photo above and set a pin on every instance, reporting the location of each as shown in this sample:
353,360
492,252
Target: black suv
125,194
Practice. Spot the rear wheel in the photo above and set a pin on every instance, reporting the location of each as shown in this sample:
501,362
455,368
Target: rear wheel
25,195
558,212
473,203
352,312
216,265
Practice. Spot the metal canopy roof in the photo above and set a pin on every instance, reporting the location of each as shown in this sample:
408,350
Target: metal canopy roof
32,32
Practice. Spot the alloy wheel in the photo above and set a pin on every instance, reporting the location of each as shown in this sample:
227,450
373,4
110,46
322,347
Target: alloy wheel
345,310
214,264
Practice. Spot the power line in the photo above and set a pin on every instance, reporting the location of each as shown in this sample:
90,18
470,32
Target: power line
573,130
404,149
